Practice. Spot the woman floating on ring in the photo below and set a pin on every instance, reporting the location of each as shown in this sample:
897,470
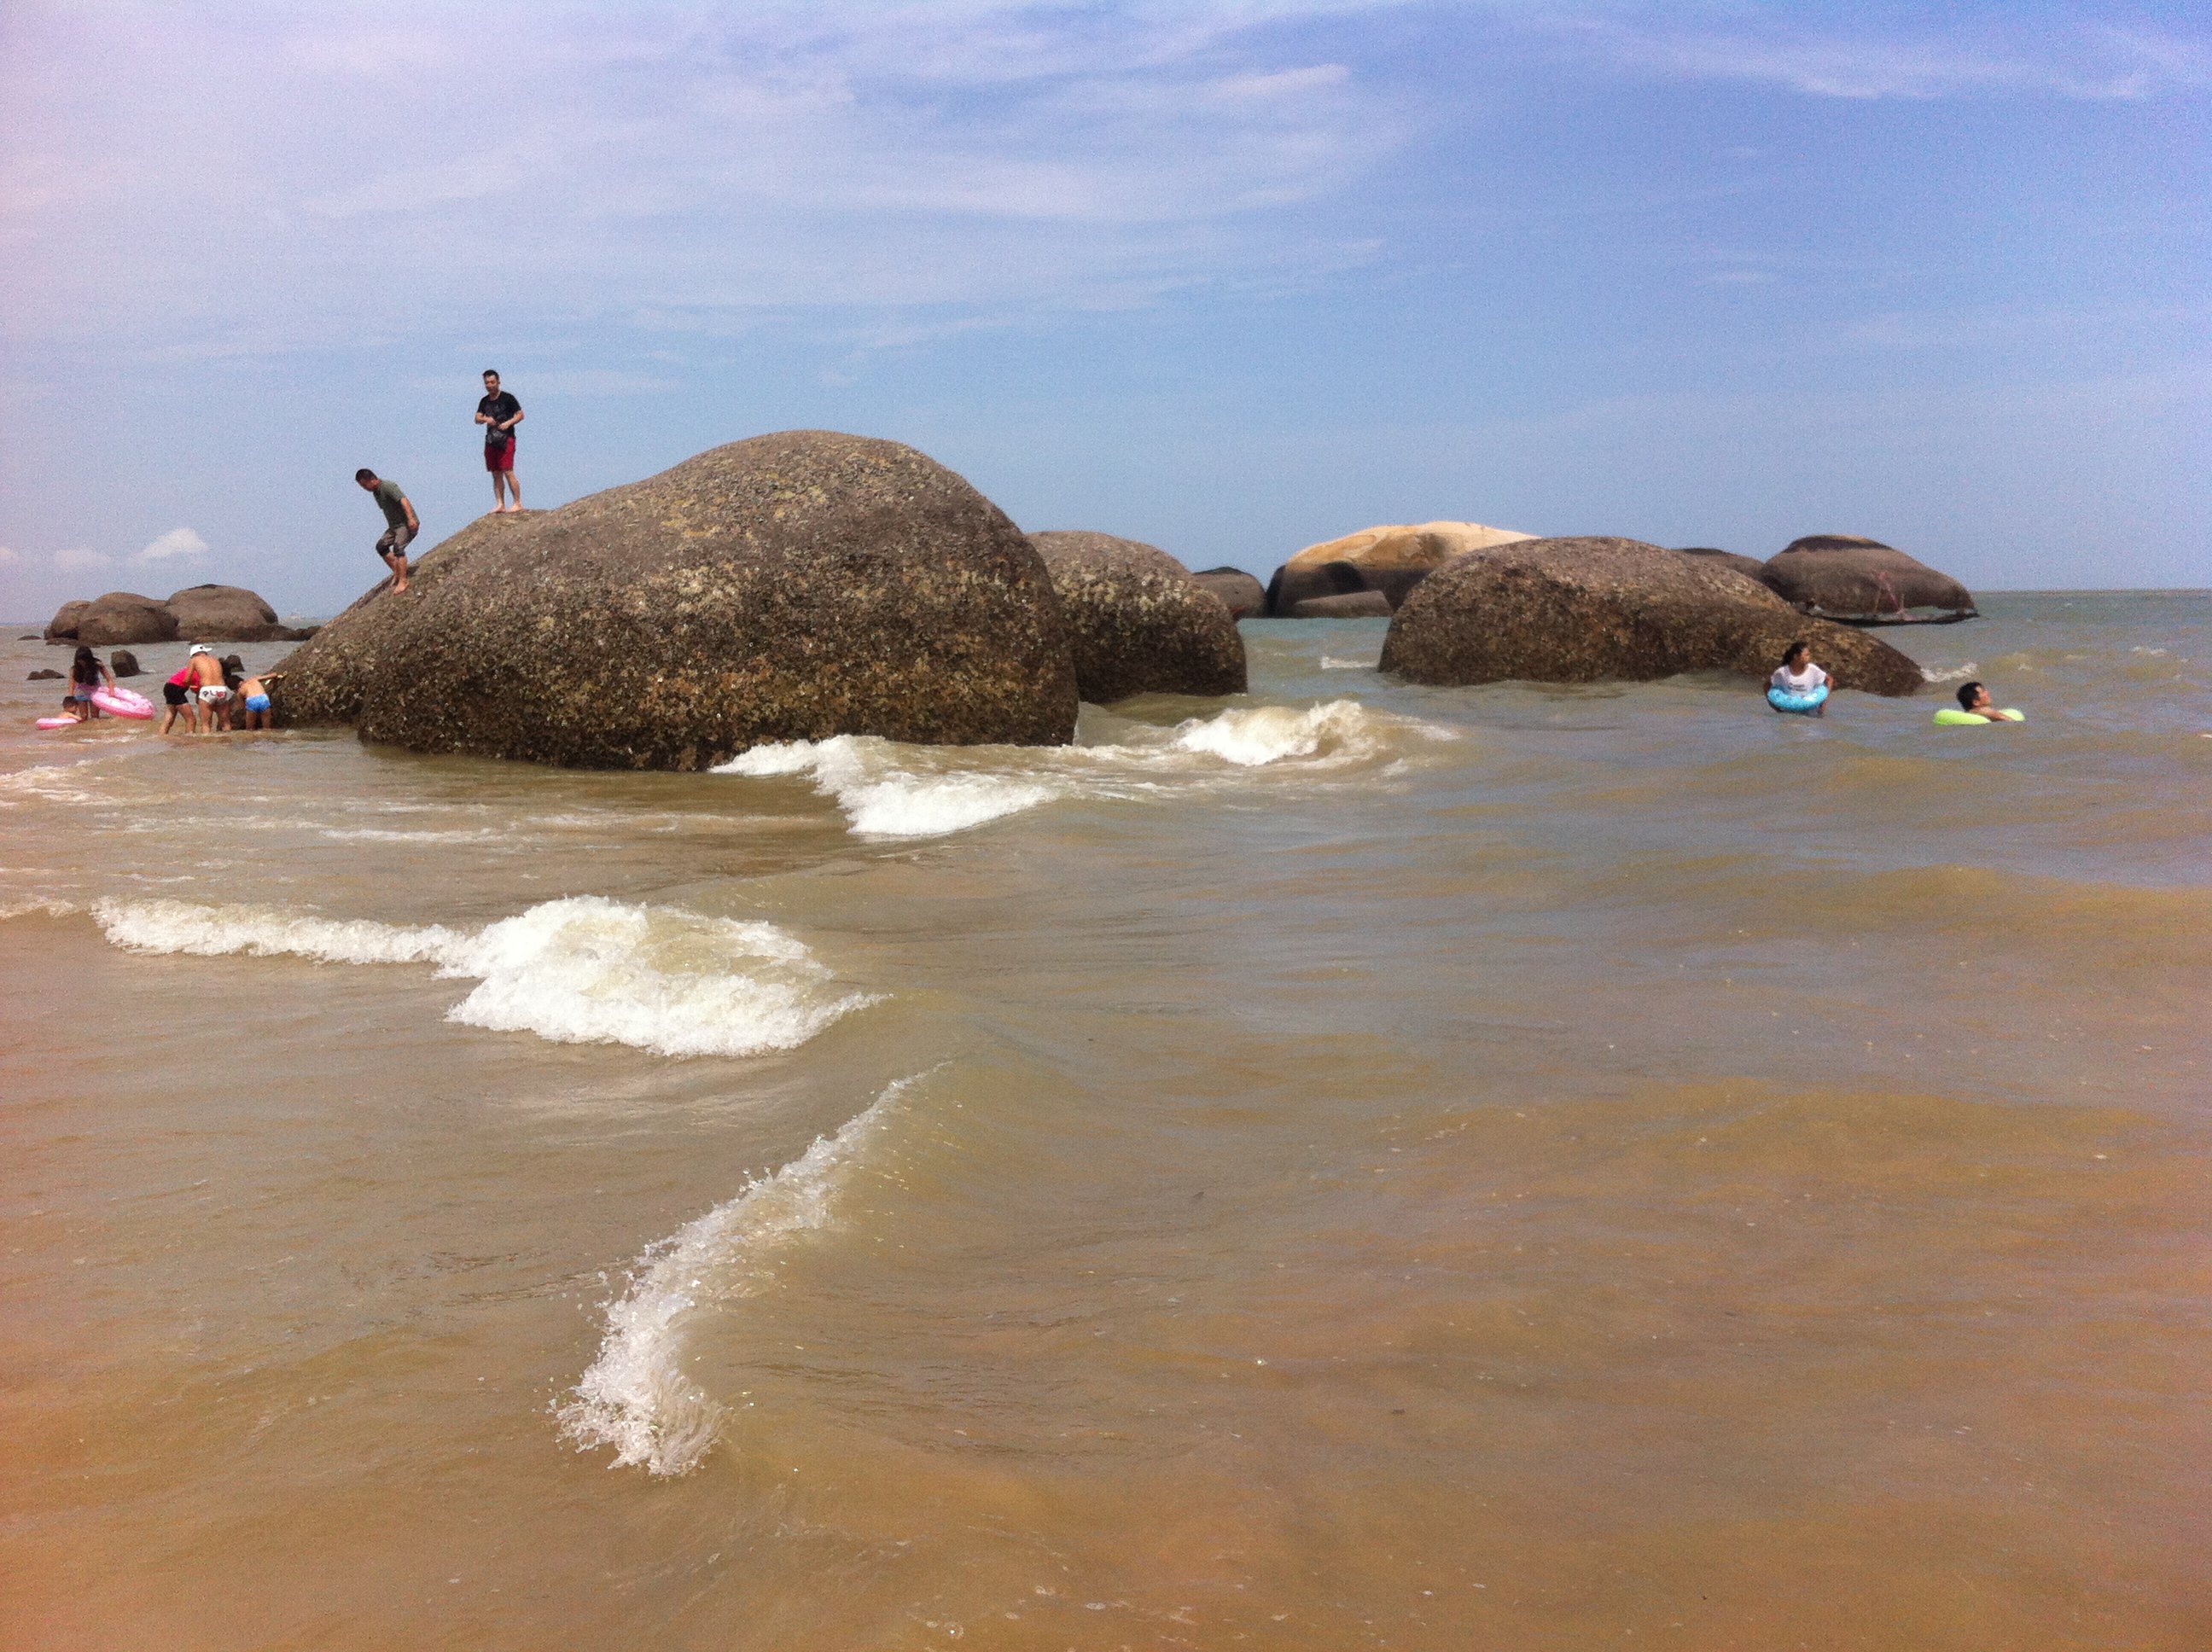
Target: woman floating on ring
1798,685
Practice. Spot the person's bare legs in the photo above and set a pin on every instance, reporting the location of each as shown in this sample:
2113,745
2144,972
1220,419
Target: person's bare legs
504,487
396,561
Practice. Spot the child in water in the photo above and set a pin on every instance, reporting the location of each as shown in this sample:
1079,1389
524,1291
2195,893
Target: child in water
86,676
1974,700
1799,678
256,692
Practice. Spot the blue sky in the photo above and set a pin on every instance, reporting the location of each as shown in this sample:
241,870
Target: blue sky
1232,278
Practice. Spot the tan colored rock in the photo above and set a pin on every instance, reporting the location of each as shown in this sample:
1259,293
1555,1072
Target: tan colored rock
1604,609
1392,560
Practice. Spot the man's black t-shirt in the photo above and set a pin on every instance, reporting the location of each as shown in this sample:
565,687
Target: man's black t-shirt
500,408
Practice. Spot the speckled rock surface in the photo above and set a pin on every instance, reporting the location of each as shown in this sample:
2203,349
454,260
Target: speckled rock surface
1392,559
1245,595
791,586
225,613
122,616
1603,609
1138,622
1751,567
1843,573
1351,604
62,628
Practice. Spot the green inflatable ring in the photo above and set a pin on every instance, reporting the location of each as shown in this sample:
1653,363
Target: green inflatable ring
1951,717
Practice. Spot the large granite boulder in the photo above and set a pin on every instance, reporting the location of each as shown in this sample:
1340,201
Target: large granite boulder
62,628
1749,566
793,586
1843,573
1390,560
1604,610
225,613
1138,622
1245,595
124,616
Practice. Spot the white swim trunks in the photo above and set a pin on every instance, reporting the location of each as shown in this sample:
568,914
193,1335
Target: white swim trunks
213,695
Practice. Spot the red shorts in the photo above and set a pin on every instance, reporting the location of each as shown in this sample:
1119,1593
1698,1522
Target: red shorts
499,458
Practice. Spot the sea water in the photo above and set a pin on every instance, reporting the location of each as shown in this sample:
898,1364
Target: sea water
1348,1165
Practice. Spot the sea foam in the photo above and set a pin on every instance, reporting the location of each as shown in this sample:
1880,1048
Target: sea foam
635,1398
886,789
1252,736
583,970
881,798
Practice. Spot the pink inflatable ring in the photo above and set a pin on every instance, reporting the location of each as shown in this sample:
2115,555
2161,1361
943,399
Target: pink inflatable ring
121,702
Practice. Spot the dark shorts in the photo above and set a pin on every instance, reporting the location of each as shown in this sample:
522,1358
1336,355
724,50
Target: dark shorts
393,541
173,693
499,458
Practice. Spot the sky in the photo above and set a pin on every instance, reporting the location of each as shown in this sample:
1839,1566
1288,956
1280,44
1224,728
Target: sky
1231,277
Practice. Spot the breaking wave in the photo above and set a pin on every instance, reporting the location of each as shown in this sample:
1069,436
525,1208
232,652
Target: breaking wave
582,970
886,789
858,770
635,1397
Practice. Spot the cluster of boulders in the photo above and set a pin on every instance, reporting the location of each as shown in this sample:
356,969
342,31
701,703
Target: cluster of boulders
1837,575
1606,609
199,613
810,584
788,588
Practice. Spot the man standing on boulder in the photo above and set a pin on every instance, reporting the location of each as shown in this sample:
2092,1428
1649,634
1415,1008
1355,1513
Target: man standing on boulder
499,413
400,523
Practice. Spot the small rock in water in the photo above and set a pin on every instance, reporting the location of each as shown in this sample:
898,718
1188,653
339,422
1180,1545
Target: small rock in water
39,676
124,663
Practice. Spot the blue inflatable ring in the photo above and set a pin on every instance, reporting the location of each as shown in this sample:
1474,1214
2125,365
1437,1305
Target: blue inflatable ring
1804,705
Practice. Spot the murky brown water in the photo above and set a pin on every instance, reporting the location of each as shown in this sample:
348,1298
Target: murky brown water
1366,1167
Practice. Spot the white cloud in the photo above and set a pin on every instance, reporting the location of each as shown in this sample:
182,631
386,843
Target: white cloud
658,158
177,542
1965,57
77,557
8,557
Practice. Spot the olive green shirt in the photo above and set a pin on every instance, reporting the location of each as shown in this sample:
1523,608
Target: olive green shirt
388,494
